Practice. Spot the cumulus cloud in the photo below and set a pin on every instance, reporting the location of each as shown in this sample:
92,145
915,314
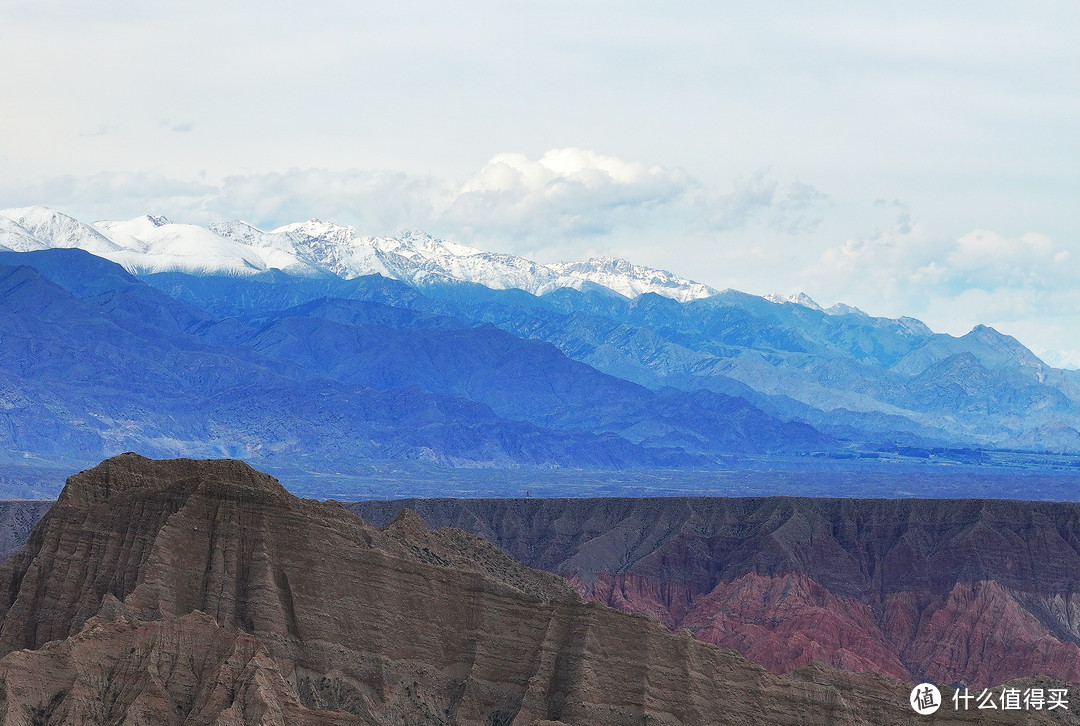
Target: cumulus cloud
909,260
1020,284
565,192
512,202
103,195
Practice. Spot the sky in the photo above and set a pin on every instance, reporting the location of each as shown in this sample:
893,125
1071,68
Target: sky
916,158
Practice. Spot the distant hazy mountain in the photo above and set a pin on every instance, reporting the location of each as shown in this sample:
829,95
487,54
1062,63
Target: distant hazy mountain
93,360
661,364
853,376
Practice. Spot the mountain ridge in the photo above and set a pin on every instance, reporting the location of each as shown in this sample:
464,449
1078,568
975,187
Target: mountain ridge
957,591
854,382
154,244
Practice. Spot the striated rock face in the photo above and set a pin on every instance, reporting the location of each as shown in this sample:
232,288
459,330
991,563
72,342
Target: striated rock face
961,591
175,671
201,592
17,518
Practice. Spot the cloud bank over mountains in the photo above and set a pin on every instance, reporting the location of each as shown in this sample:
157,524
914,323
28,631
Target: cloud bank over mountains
565,194
761,234
748,147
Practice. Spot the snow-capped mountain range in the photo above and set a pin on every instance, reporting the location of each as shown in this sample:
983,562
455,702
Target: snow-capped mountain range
154,244
386,315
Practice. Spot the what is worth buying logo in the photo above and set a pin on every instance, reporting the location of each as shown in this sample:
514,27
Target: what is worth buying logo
925,699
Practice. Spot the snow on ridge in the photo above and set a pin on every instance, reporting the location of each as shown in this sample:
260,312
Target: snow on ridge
16,238
844,309
629,279
801,298
155,244
54,229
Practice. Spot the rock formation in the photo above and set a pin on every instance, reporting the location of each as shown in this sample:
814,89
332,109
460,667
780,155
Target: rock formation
201,592
961,591
17,518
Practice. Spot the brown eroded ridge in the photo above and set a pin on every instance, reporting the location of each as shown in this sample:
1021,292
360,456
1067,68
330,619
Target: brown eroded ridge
201,592
977,592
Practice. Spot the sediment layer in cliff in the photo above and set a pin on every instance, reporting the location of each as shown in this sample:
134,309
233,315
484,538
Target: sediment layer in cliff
977,592
201,592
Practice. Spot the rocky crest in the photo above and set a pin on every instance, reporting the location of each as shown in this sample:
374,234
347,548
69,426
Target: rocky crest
200,592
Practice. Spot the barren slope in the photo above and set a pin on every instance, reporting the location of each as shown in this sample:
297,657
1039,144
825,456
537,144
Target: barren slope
201,592
959,591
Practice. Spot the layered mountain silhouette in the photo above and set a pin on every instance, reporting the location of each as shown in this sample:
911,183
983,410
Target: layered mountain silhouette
96,360
201,592
313,348
976,592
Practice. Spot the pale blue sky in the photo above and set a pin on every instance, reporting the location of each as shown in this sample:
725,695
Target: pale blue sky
909,158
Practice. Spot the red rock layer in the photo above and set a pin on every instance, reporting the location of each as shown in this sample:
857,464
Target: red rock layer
782,623
983,633
963,591
979,634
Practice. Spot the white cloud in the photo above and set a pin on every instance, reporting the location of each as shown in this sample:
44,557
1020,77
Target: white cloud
1023,285
564,197
761,234
376,202
1061,358
1003,258
108,195
566,192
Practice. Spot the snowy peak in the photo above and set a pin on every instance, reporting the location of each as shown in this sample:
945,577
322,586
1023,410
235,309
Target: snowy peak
54,229
806,301
631,280
239,232
16,238
317,229
328,247
800,298
427,246
843,309
155,244
421,259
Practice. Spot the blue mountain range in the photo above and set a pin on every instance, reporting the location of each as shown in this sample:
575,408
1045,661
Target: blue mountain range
320,372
